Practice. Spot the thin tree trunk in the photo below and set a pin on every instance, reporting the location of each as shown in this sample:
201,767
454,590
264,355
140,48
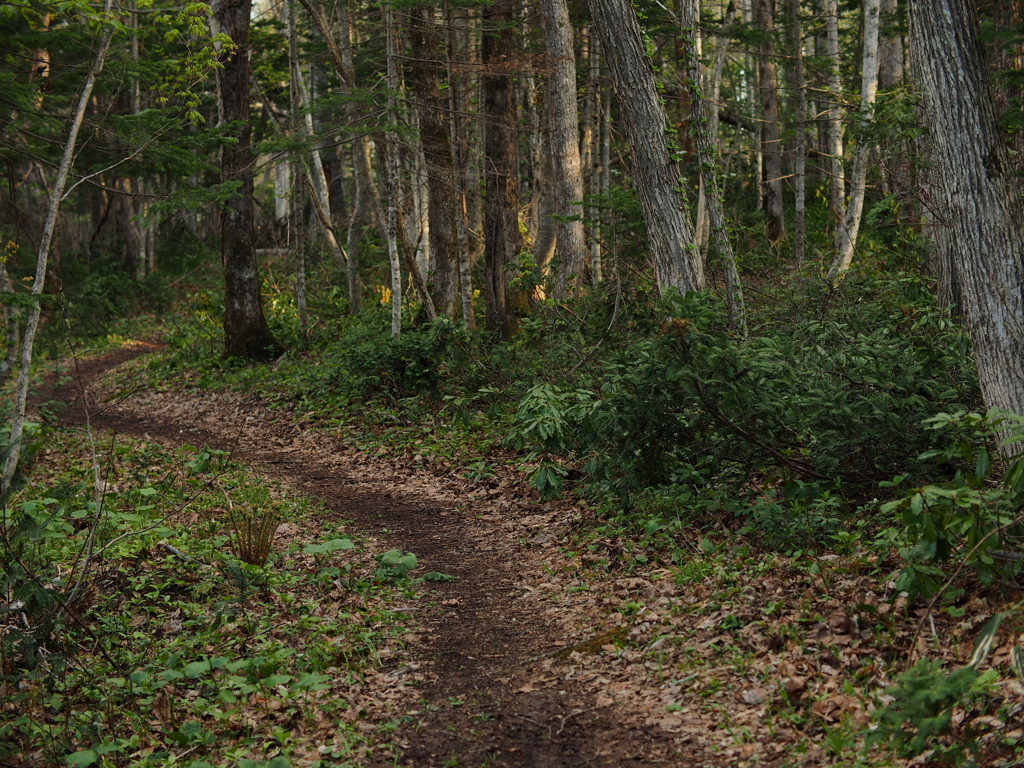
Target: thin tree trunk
978,195
677,263
596,164
392,171
13,453
502,239
770,128
830,11
800,161
313,166
12,319
868,90
300,253
563,147
708,165
366,197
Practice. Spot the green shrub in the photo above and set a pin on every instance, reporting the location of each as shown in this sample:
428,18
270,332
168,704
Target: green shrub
367,361
971,518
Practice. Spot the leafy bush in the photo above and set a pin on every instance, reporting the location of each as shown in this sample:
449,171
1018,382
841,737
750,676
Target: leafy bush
831,395
819,401
973,516
366,360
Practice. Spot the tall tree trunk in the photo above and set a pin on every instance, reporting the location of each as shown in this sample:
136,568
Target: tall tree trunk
708,154
313,165
978,196
458,44
771,134
563,147
12,319
391,219
868,90
502,239
830,10
677,263
366,198
13,452
800,161
442,186
597,168
246,332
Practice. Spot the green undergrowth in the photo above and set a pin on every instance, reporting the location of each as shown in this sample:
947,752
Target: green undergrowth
190,614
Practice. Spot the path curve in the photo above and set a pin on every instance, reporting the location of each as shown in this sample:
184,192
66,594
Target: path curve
496,697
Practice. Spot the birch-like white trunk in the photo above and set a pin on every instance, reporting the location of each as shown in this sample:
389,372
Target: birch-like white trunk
42,257
847,234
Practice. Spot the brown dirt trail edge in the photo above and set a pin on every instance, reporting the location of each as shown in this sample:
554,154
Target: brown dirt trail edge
483,643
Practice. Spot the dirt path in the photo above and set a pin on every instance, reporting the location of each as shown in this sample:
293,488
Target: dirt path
495,694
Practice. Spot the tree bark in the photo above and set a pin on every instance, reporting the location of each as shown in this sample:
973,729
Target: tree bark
868,89
457,54
977,195
834,151
708,165
391,220
502,239
771,134
246,333
800,161
564,148
442,185
13,453
677,263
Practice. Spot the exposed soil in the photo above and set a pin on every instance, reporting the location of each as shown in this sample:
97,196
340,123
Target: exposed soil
495,693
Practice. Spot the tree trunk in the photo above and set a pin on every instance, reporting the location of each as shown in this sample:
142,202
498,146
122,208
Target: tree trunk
708,164
457,55
771,134
12,319
868,89
563,147
313,165
246,333
13,452
442,186
978,198
392,223
800,161
502,239
677,263
830,10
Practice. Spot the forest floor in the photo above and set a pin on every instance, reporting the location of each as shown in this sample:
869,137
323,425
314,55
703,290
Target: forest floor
542,652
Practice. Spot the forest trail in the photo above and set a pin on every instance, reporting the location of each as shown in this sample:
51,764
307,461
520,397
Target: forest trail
495,691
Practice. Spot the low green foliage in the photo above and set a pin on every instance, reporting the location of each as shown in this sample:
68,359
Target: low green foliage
923,700
974,517
394,564
171,645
